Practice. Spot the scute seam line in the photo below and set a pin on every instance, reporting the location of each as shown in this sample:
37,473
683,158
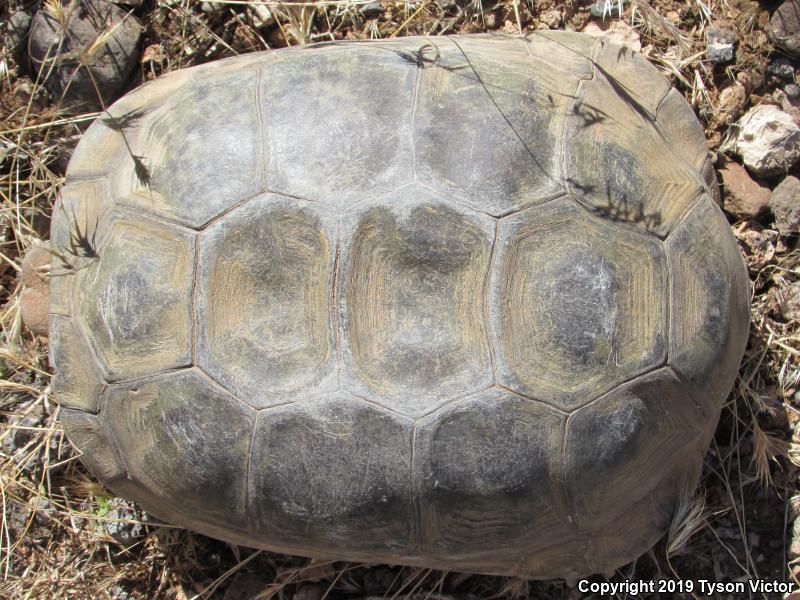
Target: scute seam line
486,297
337,340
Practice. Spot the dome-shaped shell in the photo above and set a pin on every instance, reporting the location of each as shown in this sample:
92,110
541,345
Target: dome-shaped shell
455,302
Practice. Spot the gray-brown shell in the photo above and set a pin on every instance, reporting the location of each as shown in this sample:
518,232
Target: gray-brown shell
456,302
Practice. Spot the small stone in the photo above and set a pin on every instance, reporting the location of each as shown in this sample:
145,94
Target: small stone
617,31
490,20
551,18
731,103
244,586
373,10
744,198
757,244
43,509
129,2
784,26
768,140
75,73
261,16
210,8
785,206
447,4
15,32
792,90
122,523
603,9
721,45
782,67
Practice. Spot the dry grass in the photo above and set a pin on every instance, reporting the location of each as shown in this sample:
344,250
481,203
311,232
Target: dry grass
54,539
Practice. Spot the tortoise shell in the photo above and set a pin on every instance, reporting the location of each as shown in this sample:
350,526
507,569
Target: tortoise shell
460,302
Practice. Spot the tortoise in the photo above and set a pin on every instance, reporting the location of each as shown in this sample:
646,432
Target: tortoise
459,302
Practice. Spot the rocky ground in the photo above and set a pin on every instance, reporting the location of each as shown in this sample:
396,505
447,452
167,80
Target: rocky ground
736,61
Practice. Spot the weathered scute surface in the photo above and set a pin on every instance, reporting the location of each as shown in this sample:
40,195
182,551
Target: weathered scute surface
488,470
93,439
186,442
264,300
618,162
134,301
337,125
453,303
710,298
497,162
411,302
619,446
183,161
577,303
326,468
77,379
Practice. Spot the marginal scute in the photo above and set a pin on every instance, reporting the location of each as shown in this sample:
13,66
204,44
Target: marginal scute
77,379
488,472
619,163
91,436
676,118
185,441
77,228
103,144
709,295
507,154
323,469
323,146
624,538
264,306
134,301
577,303
617,446
411,300
165,168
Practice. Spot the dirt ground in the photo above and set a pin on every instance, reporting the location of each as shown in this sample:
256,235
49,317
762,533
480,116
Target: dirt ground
63,536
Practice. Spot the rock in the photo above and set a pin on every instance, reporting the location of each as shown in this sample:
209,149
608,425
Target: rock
35,295
768,140
784,26
603,9
616,31
245,586
447,4
78,65
720,45
552,18
785,205
24,425
43,509
744,198
731,103
792,91
118,592
757,244
373,10
788,302
261,16
15,32
782,67
122,523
